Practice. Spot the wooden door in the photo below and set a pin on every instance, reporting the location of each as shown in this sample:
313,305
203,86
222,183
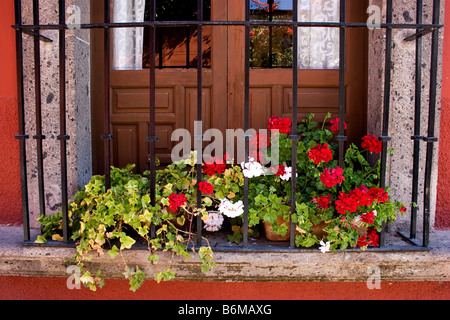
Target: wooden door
223,92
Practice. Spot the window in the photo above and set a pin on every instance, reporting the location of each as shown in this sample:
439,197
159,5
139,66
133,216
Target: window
271,47
175,46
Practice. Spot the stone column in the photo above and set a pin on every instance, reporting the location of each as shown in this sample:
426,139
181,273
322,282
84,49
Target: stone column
400,164
79,154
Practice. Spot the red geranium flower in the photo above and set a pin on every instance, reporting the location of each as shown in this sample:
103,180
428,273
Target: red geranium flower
213,166
374,238
281,124
362,242
176,201
368,217
335,125
372,144
324,202
378,194
205,187
332,177
321,153
346,203
281,171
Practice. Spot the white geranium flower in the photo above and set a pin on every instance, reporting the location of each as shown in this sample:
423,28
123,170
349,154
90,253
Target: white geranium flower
325,247
214,222
288,175
252,169
231,210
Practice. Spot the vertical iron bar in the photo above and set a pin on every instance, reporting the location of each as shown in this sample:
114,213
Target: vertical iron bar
152,139
107,137
431,124
160,47
39,137
246,116
199,112
188,48
63,137
341,138
22,137
294,132
270,3
387,101
417,126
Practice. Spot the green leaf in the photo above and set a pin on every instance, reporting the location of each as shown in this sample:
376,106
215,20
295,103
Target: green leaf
127,242
40,240
236,237
113,252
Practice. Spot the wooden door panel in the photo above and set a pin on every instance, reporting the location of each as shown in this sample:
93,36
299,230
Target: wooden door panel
137,100
125,145
260,107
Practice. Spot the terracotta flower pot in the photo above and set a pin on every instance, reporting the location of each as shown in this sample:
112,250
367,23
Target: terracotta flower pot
273,236
316,229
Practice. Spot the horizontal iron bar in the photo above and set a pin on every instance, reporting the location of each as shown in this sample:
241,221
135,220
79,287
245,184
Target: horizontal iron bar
152,139
430,139
107,137
277,248
385,138
64,137
225,23
419,34
22,137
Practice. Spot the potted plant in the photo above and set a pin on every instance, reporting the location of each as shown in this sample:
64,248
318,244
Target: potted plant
336,207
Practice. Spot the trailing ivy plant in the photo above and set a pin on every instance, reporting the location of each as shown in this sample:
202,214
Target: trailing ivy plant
115,220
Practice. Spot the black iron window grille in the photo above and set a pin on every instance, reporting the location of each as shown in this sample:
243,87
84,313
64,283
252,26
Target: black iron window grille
152,25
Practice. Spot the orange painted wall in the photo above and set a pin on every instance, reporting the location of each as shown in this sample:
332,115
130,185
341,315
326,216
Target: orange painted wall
10,198
56,289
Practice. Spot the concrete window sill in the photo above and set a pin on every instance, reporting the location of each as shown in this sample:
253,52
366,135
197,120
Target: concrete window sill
16,259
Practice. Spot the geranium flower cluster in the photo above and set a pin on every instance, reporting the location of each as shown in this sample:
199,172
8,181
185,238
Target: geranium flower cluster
371,239
206,187
360,197
321,153
252,169
332,177
215,165
230,209
335,125
176,201
281,124
372,144
324,202
214,222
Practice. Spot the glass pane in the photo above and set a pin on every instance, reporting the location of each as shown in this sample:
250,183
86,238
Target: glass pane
318,48
271,47
128,42
177,47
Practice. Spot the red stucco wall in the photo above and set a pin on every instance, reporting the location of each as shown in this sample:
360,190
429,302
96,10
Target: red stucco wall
56,289
443,200
10,199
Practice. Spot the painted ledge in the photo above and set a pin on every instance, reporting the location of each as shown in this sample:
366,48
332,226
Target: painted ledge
312,266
